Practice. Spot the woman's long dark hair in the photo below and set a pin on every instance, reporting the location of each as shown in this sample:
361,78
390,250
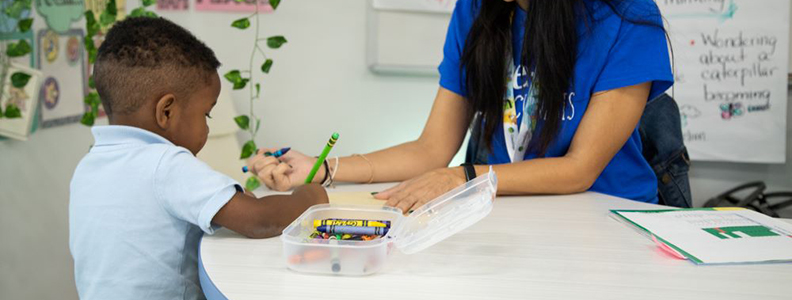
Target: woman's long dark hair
549,49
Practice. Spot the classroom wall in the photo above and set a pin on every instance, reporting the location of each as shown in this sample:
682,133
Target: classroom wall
318,84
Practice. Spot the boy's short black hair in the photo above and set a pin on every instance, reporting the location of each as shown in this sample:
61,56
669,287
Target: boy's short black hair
147,58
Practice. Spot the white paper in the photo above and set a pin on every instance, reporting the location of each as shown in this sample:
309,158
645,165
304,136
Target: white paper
731,61
720,236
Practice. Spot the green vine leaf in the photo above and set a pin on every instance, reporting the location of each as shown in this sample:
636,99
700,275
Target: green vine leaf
91,83
19,79
148,3
91,26
276,42
258,124
266,66
241,84
92,99
142,12
111,8
87,119
92,55
243,23
248,149
274,3
18,49
12,111
233,76
258,90
106,18
252,183
243,122
24,24
137,12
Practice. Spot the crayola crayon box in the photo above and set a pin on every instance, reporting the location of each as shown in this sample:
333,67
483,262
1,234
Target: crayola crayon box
356,240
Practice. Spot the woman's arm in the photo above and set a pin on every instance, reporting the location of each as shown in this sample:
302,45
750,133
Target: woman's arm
439,142
609,120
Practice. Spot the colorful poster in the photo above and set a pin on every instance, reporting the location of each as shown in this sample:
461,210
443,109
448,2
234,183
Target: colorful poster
60,14
98,6
232,5
173,5
61,59
731,77
25,99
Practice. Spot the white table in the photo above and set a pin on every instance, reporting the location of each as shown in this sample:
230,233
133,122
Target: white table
539,247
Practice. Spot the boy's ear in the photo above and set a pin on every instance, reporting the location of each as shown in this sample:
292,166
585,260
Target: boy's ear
166,106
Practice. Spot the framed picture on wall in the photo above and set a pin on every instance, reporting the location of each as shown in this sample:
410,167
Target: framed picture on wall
25,99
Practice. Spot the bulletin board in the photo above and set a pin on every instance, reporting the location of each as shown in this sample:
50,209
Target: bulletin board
731,65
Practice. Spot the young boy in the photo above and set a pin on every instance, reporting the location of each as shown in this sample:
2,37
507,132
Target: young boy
140,200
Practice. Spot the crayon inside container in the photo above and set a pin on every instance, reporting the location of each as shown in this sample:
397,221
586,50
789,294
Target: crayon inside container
341,257
437,220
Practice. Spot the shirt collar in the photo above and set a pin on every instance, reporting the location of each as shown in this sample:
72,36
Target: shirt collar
118,134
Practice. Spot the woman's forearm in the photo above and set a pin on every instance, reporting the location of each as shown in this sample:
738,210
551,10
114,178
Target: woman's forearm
397,163
439,142
557,175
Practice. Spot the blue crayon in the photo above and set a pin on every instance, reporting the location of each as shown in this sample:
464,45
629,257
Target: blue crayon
281,152
277,154
332,229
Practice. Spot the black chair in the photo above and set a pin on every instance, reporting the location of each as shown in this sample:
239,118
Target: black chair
772,203
756,199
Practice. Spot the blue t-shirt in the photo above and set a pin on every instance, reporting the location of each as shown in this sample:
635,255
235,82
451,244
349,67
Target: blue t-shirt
612,53
138,207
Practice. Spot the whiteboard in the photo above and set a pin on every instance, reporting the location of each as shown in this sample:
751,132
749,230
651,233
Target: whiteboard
732,60
407,36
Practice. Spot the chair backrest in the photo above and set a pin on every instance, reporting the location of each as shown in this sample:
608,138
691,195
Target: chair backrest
664,149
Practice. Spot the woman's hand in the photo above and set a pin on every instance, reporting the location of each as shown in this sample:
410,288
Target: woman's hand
284,173
414,193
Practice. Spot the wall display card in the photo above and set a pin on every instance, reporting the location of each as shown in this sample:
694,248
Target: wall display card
62,60
25,99
232,5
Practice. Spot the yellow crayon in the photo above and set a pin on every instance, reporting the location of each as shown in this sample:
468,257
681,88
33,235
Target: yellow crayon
359,223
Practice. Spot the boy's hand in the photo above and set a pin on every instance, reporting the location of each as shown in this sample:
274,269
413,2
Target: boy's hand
284,173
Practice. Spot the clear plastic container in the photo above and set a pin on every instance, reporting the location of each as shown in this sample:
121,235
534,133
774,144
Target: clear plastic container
439,219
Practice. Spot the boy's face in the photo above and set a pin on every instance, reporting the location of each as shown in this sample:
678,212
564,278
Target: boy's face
189,129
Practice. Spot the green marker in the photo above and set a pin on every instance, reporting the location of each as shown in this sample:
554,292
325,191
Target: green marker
322,157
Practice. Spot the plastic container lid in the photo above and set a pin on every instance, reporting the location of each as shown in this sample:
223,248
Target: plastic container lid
446,215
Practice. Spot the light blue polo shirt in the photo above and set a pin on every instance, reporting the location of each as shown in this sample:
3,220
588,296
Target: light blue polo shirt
137,209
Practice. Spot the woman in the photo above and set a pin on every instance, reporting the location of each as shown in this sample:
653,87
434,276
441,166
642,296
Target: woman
553,90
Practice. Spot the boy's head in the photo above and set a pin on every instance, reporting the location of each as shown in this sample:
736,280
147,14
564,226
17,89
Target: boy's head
153,74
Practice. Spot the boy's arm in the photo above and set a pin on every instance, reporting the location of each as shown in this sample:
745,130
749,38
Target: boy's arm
267,216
